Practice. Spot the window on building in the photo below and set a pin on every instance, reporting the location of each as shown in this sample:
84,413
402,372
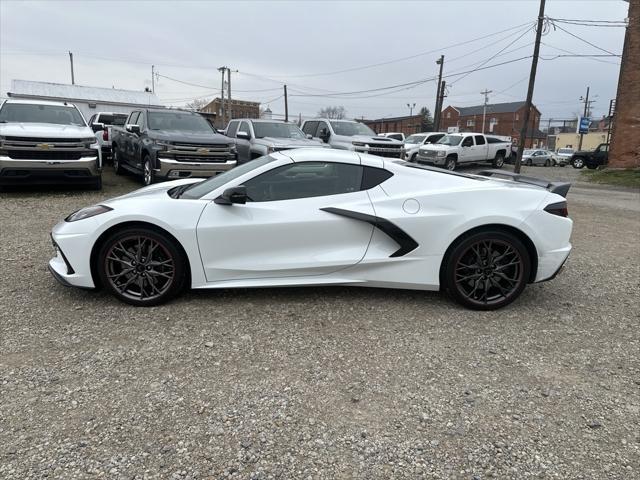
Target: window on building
517,116
448,114
471,123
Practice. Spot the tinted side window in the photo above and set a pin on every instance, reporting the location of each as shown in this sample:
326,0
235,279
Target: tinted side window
322,126
304,180
372,177
467,142
232,129
244,127
434,138
480,140
133,119
141,121
310,128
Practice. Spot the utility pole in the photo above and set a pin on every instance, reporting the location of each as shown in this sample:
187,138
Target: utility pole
532,81
286,105
411,107
229,108
436,114
587,105
153,80
484,110
441,95
222,112
73,80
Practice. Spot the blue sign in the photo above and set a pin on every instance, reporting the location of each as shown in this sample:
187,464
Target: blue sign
583,125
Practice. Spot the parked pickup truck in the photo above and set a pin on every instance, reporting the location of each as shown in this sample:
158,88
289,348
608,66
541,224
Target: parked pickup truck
458,148
592,160
255,138
352,135
45,143
101,123
167,144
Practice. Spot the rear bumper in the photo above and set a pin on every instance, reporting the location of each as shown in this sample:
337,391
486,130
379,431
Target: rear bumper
551,264
173,169
49,172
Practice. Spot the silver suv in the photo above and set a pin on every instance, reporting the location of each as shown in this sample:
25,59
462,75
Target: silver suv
255,138
352,135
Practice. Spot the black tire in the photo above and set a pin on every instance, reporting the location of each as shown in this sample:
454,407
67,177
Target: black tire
501,270
128,275
148,175
529,162
117,165
413,158
498,162
450,163
547,163
577,162
97,183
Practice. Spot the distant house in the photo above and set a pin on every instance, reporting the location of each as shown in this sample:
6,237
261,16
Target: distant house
504,119
89,100
237,109
408,124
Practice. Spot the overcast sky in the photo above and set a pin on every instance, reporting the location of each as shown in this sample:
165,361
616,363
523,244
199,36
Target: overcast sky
305,43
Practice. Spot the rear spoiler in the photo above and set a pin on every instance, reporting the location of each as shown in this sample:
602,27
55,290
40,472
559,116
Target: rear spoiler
561,188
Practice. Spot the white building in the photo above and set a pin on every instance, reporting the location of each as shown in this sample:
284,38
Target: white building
89,100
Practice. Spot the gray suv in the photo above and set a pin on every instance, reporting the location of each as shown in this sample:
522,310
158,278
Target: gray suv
255,138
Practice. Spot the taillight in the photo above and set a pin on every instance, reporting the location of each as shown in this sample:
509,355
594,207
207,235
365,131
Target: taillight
105,134
559,209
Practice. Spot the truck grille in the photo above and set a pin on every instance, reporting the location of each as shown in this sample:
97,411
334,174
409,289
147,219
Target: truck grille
43,155
36,148
427,153
383,150
196,152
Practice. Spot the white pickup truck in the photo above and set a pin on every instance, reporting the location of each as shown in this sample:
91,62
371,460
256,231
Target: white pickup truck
457,148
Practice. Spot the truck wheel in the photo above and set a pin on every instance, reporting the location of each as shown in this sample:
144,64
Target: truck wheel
498,162
97,184
117,167
451,163
148,176
577,162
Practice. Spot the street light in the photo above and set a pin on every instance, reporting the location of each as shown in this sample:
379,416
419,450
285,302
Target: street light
411,107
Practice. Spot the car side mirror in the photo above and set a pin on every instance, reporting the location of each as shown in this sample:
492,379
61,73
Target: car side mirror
324,135
233,195
96,127
243,135
309,136
132,128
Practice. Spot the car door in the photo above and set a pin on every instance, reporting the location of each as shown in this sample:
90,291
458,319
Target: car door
323,131
243,145
282,230
479,149
466,150
129,138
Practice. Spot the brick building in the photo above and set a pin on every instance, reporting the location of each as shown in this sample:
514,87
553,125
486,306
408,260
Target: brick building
237,109
407,125
625,137
503,119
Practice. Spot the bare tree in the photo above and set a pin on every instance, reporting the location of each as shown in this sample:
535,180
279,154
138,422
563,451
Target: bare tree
197,104
335,113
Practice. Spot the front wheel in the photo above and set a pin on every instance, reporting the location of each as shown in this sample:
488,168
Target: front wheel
529,162
577,163
451,164
148,175
547,163
413,158
487,270
141,266
115,158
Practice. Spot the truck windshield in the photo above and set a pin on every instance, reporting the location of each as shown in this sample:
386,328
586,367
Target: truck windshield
565,151
33,113
197,190
277,130
115,119
349,129
180,121
415,139
450,140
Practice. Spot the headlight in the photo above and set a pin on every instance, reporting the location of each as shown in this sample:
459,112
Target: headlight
270,149
90,142
232,148
441,153
359,144
162,145
87,213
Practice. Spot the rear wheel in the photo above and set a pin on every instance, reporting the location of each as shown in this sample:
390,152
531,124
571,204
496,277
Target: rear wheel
498,162
141,266
578,162
487,270
117,167
450,163
529,162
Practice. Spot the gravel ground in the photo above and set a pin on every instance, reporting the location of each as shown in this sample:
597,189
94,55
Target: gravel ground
322,382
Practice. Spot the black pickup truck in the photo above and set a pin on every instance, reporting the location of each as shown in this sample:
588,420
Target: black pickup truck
592,160
168,144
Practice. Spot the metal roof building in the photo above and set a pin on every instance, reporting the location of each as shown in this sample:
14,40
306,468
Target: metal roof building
89,100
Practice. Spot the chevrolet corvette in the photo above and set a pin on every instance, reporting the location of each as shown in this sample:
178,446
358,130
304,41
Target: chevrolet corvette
313,217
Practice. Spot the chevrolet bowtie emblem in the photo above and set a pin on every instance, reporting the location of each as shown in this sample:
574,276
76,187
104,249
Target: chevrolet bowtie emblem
44,146
203,150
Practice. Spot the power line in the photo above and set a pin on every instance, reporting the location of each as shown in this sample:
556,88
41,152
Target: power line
574,53
586,41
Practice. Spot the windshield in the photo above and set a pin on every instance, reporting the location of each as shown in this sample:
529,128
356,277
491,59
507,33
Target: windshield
349,129
180,121
115,119
197,190
277,129
565,150
415,139
31,113
450,140
528,152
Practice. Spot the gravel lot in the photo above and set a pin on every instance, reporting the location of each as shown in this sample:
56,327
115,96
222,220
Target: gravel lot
322,382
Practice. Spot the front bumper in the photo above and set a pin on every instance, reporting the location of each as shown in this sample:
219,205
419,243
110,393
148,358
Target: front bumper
173,169
72,245
48,172
440,161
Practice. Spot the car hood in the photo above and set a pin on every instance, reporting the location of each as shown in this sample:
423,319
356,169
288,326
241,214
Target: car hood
189,137
44,130
288,142
156,190
436,147
370,139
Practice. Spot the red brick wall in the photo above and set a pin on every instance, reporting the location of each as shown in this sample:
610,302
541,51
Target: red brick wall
407,125
625,139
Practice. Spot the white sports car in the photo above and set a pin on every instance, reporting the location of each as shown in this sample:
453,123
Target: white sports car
321,217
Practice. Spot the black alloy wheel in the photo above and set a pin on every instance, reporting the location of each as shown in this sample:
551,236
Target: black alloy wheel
141,267
487,270
117,167
148,175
